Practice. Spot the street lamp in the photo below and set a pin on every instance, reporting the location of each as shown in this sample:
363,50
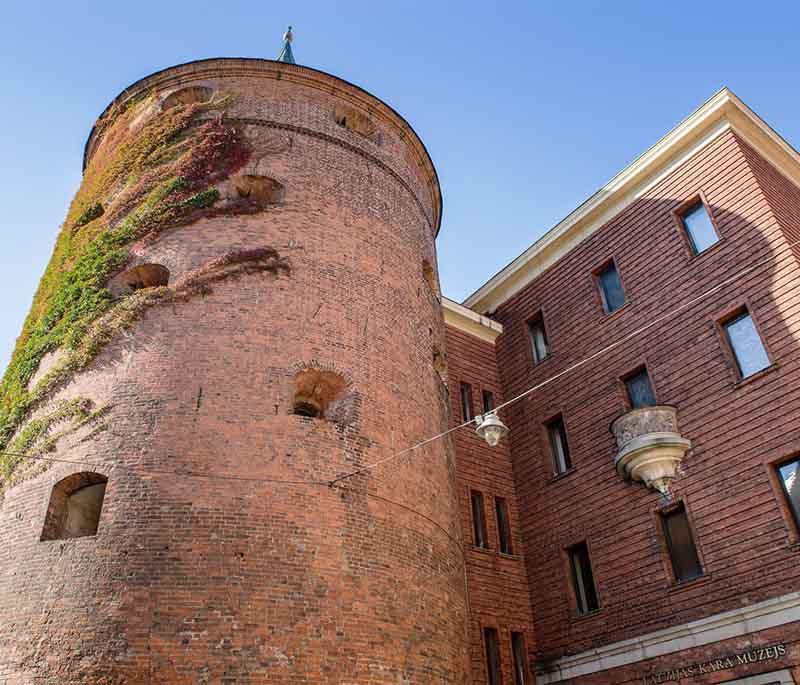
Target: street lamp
490,428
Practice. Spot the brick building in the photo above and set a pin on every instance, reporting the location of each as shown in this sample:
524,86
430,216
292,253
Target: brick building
242,327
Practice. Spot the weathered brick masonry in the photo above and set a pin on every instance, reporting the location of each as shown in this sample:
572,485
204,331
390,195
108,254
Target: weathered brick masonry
498,585
747,541
201,579
227,552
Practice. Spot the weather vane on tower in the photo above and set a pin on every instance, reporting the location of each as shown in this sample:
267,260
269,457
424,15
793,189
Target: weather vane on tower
286,52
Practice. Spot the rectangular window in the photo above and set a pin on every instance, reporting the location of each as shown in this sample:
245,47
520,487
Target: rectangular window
538,337
640,390
466,401
698,226
492,641
610,288
559,447
680,543
790,480
503,525
518,652
488,401
746,345
478,519
583,579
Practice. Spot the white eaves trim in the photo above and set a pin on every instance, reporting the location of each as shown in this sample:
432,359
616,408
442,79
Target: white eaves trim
723,112
458,316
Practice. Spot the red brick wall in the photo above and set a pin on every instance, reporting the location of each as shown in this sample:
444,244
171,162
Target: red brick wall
498,587
209,580
748,545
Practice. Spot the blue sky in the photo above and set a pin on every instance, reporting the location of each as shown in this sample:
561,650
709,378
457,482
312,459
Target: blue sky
526,107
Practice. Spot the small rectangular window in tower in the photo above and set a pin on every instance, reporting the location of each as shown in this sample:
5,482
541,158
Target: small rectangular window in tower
478,519
466,402
699,229
520,662
538,338
640,389
746,345
789,474
503,525
583,579
492,641
680,544
610,285
488,401
559,447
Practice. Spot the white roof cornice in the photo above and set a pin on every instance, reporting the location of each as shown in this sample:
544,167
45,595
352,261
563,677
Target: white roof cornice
468,321
723,112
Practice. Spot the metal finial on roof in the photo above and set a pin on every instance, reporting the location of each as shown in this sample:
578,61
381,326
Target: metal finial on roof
286,52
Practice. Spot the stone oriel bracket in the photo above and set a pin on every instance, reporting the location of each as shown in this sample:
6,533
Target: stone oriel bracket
650,447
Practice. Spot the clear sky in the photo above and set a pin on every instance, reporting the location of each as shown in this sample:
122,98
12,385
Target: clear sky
526,107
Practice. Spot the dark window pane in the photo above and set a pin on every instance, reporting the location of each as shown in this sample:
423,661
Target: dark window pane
699,228
503,525
488,401
790,478
583,579
538,337
559,446
518,650
466,401
492,656
478,519
746,344
682,550
611,289
640,391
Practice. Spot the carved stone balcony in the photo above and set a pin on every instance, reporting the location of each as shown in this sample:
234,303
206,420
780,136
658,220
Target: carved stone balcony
650,448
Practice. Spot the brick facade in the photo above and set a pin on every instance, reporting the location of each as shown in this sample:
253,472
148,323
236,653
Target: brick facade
225,550
739,429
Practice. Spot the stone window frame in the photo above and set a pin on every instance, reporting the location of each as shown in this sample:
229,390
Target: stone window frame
537,317
643,364
598,286
69,485
483,392
472,523
497,498
566,562
791,522
516,630
466,400
666,558
555,474
725,316
492,626
696,198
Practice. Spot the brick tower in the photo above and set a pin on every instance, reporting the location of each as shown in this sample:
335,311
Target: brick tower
242,306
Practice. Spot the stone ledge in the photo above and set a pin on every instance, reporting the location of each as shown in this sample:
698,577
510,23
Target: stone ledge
768,614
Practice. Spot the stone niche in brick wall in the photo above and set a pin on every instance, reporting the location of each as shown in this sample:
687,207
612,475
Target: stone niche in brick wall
650,446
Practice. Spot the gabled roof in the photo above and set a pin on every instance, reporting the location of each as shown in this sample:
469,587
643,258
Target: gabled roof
722,112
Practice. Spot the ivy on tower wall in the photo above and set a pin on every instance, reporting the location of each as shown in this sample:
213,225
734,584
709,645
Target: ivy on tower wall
153,170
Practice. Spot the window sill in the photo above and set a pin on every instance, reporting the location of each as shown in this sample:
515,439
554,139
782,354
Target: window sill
607,316
561,476
536,365
694,256
513,557
676,586
483,550
589,614
752,378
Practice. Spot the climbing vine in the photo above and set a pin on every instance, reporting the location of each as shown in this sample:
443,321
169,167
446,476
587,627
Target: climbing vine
152,170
